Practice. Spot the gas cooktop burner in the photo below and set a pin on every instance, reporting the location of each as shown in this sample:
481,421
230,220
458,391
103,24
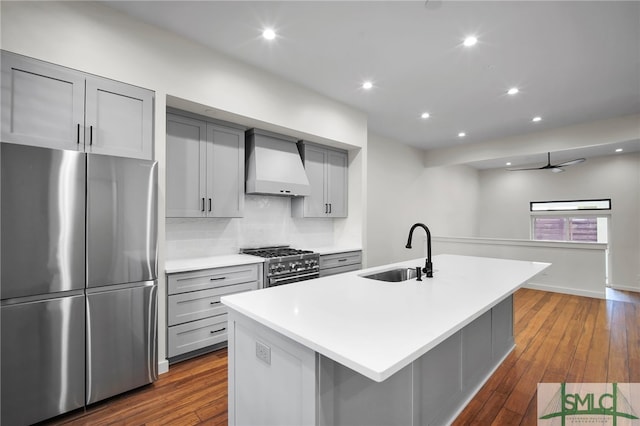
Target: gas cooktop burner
268,252
285,265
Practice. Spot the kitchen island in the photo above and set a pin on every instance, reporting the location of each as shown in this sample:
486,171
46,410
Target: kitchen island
350,350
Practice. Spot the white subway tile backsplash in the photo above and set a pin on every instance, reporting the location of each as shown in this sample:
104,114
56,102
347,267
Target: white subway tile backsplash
267,221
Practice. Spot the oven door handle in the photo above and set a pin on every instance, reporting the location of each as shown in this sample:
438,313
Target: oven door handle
277,280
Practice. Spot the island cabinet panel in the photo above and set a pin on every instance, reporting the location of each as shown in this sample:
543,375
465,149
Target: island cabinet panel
196,318
440,380
280,374
51,106
338,263
476,349
345,397
502,328
298,386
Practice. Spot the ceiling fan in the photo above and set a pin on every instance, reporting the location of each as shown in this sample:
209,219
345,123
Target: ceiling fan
555,168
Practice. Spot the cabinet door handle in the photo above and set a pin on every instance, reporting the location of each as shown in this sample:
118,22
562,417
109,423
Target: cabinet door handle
209,204
329,208
326,208
203,204
219,330
218,278
90,135
78,136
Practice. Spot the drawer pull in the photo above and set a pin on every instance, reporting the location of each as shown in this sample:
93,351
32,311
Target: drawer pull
218,278
342,260
217,331
216,302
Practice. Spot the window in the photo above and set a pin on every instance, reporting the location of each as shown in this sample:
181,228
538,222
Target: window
568,228
555,206
570,220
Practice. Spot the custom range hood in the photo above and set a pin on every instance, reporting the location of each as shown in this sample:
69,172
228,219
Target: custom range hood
273,165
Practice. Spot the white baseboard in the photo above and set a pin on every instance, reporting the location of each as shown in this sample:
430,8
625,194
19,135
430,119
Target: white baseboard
567,290
163,366
625,288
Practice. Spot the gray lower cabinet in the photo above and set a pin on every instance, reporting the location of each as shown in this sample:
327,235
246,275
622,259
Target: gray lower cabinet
337,263
205,168
51,106
327,170
196,318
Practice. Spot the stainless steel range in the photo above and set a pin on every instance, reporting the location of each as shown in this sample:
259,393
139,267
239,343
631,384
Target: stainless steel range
285,265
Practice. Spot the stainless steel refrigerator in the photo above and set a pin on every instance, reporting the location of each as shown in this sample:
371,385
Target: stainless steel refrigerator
78,279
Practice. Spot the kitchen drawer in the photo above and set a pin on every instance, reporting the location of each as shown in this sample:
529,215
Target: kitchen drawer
201,304
211,278
195,335
340,270
340,259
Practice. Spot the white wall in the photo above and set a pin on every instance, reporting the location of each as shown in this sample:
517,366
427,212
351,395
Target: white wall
91,37
503,208
401,192
576,268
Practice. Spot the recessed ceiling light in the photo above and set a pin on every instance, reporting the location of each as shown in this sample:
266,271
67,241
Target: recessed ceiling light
512,91
367,85
507,164
269,34
462,134
619,150
536,119
425,115
470,41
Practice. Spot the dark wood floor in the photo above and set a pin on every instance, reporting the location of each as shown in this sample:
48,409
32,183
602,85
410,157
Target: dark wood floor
559,338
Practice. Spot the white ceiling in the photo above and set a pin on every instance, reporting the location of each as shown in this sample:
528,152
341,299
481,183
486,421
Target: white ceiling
573,61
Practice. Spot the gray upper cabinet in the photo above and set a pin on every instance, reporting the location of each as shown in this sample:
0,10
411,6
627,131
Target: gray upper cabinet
42,104
186,166
119,119
327,170
51,106
225,171
205,168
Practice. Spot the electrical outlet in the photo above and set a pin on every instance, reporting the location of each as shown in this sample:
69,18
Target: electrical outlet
263,352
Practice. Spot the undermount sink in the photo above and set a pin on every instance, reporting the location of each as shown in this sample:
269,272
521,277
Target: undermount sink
393,275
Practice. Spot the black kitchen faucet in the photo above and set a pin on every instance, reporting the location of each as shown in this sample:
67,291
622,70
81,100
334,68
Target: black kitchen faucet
428,266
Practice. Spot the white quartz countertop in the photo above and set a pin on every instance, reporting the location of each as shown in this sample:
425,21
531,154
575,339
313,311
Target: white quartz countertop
376,328
334,249
173,266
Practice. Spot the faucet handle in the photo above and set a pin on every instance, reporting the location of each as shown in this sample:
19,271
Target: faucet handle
428,269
